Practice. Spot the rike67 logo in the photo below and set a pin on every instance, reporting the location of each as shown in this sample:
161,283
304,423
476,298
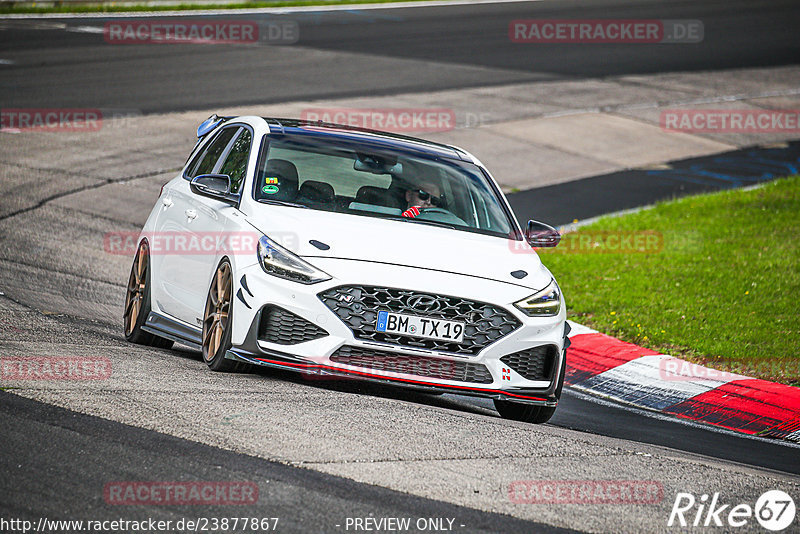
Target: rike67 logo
774,510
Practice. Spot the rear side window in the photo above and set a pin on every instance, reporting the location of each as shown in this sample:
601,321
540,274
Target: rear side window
235,164
204,163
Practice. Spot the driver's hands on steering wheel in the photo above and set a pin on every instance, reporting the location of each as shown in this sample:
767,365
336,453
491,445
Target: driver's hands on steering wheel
412,212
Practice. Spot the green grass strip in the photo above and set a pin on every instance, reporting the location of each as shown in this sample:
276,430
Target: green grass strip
713,278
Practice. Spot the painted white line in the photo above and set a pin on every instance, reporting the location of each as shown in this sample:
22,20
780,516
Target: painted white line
575,226
85,29
7,61
35,25
262,10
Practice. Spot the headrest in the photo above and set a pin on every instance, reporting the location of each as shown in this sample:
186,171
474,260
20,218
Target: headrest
315,191
377,196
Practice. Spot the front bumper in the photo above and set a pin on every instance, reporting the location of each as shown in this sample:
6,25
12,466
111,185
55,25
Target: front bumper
481,374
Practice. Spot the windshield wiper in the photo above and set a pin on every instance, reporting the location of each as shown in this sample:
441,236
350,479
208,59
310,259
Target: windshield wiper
281,203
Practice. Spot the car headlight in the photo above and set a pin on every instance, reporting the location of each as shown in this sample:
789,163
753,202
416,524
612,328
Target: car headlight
544,303
278,261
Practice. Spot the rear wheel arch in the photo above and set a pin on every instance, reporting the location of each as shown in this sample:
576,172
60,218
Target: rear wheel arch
138,301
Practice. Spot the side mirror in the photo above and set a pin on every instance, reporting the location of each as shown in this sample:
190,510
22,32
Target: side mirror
216,186
540,235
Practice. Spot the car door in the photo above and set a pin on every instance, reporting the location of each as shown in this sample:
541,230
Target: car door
208,222
186,228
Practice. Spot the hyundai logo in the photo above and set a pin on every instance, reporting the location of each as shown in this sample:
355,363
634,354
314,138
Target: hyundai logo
424,303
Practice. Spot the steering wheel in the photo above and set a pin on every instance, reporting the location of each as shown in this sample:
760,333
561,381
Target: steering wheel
440,215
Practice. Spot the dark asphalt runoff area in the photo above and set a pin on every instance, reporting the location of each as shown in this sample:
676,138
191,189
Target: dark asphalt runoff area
564,203
388,52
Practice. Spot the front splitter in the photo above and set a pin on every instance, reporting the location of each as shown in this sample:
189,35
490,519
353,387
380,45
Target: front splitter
282,361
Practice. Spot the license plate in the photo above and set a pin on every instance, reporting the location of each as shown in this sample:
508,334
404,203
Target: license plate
425,327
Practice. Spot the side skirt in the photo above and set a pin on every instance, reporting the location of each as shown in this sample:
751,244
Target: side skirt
166,327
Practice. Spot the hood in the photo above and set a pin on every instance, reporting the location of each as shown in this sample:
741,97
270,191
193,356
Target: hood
371,239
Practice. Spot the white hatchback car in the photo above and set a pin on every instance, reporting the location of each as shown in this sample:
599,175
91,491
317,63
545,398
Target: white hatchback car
339,251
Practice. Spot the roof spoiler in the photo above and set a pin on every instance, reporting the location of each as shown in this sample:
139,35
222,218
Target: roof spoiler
209,124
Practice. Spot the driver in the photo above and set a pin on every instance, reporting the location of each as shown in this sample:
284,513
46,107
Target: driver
422,196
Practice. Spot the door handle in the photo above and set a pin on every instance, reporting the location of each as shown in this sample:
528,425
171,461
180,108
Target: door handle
191,214
167,202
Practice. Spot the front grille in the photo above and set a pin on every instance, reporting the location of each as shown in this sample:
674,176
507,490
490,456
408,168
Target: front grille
358,307
285,328
533,364
413,365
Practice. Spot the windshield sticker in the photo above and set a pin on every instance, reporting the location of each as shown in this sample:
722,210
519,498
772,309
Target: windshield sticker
271,180
270,189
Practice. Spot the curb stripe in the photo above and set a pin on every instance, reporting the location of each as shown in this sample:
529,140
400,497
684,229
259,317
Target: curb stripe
789,430
643,382
611,368
750,406
592,354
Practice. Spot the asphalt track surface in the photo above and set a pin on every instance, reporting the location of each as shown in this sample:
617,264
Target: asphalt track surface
384,52
93,451
371,52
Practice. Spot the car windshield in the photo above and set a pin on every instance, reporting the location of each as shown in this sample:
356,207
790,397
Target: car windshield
348,177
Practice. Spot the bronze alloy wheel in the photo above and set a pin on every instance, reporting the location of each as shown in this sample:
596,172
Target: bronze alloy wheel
137,302
137,285
217,314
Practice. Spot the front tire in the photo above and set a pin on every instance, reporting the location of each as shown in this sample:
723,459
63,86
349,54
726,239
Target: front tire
137,302
218,320
528,413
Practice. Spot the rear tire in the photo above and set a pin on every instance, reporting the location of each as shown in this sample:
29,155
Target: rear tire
137,302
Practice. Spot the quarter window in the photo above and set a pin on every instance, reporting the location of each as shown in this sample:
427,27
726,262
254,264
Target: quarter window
205,163
235,164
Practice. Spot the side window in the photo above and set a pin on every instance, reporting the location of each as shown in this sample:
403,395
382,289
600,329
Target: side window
205,162
235,164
